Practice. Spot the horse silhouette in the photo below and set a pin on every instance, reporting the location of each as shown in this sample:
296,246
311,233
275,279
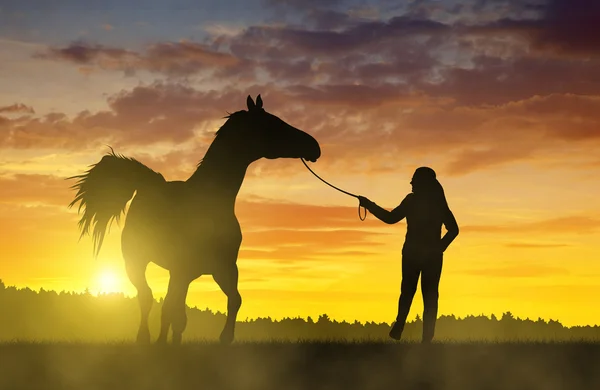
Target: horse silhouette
186,227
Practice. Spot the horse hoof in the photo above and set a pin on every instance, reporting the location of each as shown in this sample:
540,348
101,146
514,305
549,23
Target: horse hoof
176,340
143,339
226,338
396,331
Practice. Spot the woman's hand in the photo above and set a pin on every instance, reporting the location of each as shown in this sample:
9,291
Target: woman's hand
364,202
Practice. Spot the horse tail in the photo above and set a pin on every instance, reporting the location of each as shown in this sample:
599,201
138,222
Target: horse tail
104,190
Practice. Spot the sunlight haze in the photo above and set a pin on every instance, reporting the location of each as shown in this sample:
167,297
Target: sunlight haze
501,103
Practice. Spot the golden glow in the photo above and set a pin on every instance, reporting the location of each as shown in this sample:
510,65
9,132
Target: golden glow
521,177
108,281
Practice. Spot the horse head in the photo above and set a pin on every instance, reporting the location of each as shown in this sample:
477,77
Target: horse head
271,137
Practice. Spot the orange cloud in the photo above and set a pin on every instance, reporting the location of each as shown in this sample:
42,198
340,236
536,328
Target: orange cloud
23,189
357,125
275,214
576,224
524,245
520,271
286,232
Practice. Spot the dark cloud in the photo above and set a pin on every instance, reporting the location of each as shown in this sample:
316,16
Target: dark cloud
484,92
171,58
571,26
303,4
17,108
497,81
566,27
359,36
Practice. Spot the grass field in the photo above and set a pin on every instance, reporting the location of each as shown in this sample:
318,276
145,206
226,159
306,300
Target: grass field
288,366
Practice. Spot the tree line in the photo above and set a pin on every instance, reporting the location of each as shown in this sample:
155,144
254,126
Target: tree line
44,315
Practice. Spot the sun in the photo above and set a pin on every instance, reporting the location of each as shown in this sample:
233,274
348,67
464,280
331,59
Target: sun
108,282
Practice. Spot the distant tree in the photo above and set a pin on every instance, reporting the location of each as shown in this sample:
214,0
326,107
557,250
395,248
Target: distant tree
48,315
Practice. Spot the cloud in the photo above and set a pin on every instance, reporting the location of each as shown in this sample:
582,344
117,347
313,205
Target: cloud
17,108
362,123
287,254
32,226
520,271
146,115
562,27
473,160
488,52
270,214
284,232
303,4
471,87
292,245
494,80
172,58
487,136
299,41
575,224
570,26
525,245
34,189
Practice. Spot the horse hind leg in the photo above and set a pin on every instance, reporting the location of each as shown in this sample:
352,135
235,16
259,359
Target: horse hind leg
137,275
227,279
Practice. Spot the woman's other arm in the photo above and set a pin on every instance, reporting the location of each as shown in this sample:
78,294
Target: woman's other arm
452,230
389,217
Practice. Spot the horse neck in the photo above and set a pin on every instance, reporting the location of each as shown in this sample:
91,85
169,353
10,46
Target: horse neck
220,175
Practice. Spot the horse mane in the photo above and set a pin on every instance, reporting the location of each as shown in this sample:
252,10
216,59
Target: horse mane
228,125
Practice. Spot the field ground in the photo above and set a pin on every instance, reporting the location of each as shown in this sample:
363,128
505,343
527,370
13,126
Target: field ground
289,366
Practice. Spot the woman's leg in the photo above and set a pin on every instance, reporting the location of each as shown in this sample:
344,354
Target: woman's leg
408,288
430,281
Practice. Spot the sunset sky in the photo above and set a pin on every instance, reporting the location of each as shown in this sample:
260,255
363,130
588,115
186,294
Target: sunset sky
500,97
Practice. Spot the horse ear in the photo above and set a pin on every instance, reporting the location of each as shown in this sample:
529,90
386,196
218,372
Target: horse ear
259,102
250,103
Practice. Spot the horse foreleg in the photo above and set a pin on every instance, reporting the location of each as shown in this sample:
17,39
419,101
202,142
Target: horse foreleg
165,322
137,275
173,313
227,279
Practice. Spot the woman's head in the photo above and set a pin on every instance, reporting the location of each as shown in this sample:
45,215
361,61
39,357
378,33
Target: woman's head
425,184
423,180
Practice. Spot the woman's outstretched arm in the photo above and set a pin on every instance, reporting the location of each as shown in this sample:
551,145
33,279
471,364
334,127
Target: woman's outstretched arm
452,230
389,217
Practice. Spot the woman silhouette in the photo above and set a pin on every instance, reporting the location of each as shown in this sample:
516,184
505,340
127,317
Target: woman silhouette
426,210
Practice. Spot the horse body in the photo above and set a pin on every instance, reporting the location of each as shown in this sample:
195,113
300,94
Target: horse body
186,227
179,230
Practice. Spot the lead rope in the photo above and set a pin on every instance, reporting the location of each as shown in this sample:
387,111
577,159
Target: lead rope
339,189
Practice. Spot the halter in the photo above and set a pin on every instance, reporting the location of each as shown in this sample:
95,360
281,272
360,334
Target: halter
340,190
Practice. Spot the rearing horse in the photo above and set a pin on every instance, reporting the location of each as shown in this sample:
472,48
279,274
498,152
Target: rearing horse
186,227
